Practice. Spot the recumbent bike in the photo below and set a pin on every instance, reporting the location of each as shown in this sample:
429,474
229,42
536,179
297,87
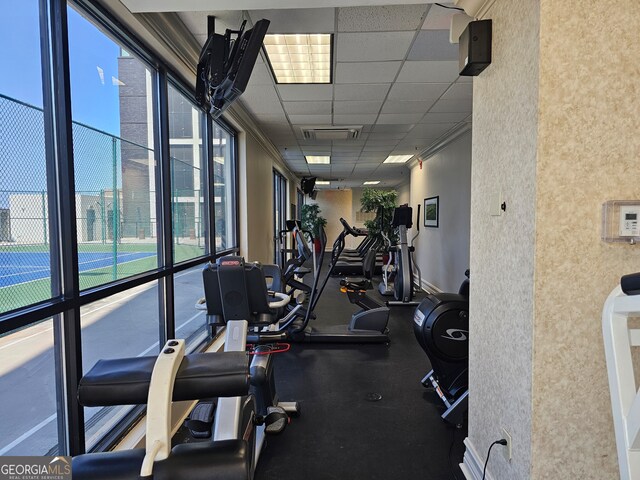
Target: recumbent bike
248,407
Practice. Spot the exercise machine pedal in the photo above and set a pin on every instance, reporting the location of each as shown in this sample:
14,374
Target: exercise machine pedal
275,421
200,421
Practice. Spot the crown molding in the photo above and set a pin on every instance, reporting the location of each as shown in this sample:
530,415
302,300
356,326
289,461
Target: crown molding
441,143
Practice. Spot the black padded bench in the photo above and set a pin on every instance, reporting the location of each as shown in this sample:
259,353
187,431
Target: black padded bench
126,381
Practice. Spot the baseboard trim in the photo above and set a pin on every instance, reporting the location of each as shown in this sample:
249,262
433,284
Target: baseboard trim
426,286
472,464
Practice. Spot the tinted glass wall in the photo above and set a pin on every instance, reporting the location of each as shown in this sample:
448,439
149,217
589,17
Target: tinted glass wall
107,216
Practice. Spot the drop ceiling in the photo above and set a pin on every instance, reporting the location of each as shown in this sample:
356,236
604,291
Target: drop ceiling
394,73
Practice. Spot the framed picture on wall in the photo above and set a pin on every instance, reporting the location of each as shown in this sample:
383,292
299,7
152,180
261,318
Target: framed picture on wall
431,212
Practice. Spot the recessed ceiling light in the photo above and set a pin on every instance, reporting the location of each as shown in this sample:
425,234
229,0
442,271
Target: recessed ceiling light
323,182
372,182
300,58
321,159
397,158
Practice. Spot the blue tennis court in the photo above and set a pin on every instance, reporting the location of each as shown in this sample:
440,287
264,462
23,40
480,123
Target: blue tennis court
21,267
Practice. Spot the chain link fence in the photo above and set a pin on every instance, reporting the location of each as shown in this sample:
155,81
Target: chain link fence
116,207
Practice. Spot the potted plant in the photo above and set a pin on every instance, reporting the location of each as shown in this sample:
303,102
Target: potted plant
313,221
383,203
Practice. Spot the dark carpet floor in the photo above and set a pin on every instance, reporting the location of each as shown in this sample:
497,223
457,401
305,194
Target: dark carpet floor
341,433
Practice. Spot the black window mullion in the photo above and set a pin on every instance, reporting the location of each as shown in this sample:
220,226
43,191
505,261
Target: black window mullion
165,232
236,188
64,246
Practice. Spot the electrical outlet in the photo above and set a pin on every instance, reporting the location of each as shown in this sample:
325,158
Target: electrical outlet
506,451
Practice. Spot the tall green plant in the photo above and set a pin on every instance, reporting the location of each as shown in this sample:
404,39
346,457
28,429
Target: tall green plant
312,220
382,202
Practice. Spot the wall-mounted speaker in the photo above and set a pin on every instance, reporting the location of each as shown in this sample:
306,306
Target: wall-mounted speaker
475,48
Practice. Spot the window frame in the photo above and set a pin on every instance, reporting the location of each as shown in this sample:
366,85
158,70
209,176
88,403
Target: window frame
64,308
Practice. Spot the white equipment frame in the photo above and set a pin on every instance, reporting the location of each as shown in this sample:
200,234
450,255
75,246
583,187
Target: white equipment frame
619,338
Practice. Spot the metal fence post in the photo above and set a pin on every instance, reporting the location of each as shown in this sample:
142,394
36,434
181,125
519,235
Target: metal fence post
44,215
115,208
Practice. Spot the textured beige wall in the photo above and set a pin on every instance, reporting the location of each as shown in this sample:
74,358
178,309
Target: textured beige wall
333,205
502,248
589,152
256,199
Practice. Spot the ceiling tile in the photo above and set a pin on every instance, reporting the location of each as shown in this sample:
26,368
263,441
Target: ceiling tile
417,91
386,136
363,72
373,46
428,72
433,45
260,75
394,106
261,99
392,128
354,119
443,117
377,148
347,149
361,92
452,106
298,20
408,150
272,119
429,130
308,108
304,93
310,119
395,118
459,91
361,140
439,18
386,18
349,107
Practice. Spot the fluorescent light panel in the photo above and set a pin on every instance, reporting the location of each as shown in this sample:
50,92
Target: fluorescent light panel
300,58
397,158
376,182
319,159
323,182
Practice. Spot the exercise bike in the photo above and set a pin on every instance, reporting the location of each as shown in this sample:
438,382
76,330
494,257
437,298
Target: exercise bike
441,326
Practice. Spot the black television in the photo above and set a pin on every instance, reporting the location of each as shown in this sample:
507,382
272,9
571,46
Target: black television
225,66
307,184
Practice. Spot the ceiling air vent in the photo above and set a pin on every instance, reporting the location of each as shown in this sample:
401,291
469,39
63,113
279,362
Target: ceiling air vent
331,133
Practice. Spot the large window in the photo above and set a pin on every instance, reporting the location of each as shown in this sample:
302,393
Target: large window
190,323
115,164
224,191
25,263
279,213
115,327
187,177
105,225
28,417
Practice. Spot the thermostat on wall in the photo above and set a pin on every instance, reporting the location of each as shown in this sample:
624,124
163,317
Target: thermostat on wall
621,221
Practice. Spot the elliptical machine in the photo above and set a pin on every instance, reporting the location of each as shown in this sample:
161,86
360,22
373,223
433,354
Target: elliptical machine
441,326
403,287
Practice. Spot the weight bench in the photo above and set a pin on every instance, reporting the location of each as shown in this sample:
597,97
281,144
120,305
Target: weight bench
157,381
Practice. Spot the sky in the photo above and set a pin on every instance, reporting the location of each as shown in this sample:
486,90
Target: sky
93,59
